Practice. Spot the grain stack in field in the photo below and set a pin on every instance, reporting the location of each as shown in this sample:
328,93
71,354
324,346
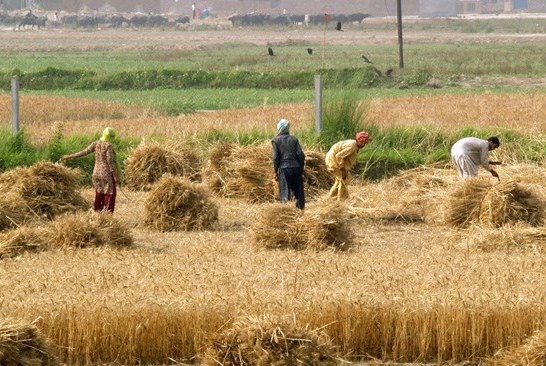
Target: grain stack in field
47,189
478,200
278,227
88,229
531,353
177,204
13,211
218,167
20,240
319,227
316,178
267,340
247,172
509,201
325,226
23,344
241,171
147,163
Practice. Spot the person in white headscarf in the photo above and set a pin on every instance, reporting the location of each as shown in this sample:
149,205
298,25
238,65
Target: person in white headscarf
288,162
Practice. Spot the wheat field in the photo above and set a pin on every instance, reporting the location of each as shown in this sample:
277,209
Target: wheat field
408,291
523,112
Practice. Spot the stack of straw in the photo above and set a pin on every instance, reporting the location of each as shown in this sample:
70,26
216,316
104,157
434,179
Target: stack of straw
23,344
244,172
147,163
23,239
88,229
43,190
247,172
266,340
319,227
480,201
177,204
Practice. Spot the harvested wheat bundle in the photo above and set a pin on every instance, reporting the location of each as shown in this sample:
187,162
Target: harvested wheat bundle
247,172
322,226
325,226
244,172
20,240
316,177
88,229
463,206
177,204
267,340
53,189
509,201
48,189
517,237
14,211
24,345
147,163
277,227
531,353
218,165
255,180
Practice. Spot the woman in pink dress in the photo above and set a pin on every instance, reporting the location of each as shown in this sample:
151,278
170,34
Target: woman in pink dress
105,174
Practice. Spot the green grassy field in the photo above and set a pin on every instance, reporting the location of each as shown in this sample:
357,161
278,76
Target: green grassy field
442,60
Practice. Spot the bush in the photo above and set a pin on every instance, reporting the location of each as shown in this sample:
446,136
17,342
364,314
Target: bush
342,119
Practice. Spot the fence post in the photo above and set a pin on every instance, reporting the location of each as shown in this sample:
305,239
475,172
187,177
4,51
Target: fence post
318,103
15,104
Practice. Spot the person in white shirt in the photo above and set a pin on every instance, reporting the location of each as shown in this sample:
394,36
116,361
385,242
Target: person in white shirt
469,153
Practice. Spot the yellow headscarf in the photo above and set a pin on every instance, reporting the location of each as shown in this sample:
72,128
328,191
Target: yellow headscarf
108,134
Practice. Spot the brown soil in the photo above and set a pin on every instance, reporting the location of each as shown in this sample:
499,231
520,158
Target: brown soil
152,39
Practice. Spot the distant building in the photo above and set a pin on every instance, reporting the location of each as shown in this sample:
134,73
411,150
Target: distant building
224,8
437,8
501,6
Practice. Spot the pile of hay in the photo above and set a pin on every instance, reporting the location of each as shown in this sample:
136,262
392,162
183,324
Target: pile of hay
177,204
322,226
88,229
147,163
13,211
478,200
512,238
316,177
43,190
531,353
241,171
267,340
20,240
23,344
247,172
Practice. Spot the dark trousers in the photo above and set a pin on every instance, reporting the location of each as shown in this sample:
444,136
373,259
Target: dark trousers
291,182
105,201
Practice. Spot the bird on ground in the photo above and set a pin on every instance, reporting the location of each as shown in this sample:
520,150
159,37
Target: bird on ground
310,51
389,72
270,51
366,59
338,27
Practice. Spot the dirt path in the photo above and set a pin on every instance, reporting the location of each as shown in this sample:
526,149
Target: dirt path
172,39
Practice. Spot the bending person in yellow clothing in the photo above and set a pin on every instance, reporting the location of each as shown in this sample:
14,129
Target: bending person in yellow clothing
340,159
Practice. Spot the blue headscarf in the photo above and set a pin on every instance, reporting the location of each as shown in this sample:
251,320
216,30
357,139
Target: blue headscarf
283,127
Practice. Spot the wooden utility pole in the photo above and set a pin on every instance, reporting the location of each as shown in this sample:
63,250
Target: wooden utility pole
400,41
